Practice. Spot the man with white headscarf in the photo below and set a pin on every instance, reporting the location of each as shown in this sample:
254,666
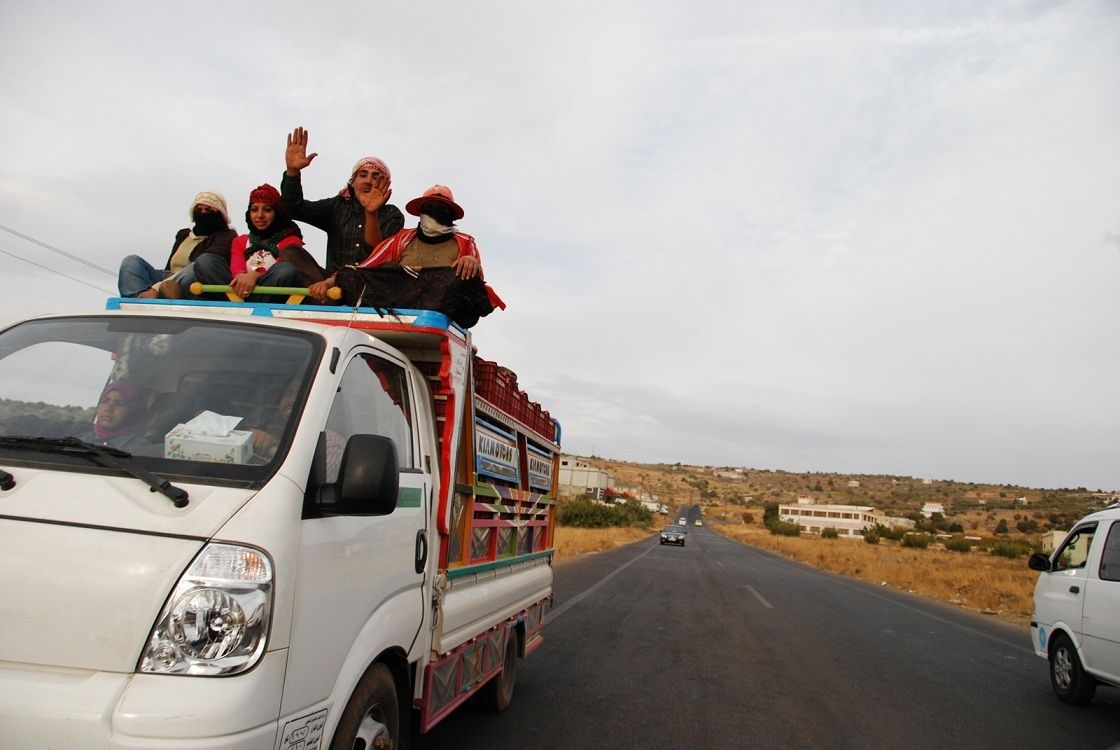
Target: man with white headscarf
350,225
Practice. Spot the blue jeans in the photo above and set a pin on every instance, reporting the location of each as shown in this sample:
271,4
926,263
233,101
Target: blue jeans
136,275
213,269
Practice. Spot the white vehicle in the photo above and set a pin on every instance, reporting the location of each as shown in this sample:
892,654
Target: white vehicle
682,521
324,522
1076,620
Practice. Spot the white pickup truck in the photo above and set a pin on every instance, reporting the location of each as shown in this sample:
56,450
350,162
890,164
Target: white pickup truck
1076,619
324,525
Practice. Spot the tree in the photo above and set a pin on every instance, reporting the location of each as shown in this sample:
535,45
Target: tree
1001,527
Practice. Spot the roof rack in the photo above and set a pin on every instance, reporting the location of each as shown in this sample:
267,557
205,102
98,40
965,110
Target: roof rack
358,317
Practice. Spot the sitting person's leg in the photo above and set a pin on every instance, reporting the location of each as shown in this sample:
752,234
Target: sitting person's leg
281,274
137,275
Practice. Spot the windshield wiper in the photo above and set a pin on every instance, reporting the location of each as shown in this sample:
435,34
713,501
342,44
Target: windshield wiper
101,455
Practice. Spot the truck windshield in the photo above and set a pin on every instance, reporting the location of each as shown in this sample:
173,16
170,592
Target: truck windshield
188,399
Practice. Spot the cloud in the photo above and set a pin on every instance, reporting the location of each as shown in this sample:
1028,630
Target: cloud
789,235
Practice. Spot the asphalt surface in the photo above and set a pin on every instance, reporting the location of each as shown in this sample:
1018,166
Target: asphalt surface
719,645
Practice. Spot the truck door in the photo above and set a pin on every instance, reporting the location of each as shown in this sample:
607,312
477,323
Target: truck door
1102,603
1060,593
360,577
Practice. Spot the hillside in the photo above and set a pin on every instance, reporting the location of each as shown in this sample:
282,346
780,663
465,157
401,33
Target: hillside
978,508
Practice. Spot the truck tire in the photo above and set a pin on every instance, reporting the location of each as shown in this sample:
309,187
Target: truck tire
496,695
371,720
1068,678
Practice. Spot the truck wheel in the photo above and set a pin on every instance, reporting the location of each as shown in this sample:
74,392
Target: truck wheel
496,695
371,720
1067,676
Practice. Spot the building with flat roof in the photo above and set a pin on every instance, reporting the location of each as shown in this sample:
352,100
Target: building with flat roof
848,520
577,478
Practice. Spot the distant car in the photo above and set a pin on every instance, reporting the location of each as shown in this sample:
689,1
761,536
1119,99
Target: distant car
698,522
673,535
682,520
1074,624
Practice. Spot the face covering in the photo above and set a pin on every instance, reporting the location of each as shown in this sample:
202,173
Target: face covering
208,222
433,228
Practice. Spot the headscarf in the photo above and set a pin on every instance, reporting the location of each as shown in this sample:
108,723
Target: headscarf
281,227
371,163
135,397
214,200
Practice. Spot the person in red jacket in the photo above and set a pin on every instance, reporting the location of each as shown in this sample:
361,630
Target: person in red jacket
434,243
271,254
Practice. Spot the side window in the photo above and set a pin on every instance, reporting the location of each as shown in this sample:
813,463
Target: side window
1110,559
1075,551
371,400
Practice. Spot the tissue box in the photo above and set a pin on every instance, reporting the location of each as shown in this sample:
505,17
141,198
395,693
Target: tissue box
234,448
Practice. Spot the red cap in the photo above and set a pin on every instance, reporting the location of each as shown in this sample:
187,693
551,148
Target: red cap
439,194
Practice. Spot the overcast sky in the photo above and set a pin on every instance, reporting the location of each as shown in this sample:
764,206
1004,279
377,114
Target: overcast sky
863,237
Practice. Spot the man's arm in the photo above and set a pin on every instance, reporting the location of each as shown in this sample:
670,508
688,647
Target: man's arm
316,213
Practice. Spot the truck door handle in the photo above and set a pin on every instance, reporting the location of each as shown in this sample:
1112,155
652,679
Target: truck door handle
421,550
1072,589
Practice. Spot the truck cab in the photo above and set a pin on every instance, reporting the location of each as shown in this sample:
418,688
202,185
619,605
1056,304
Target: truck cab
302,541
1076,600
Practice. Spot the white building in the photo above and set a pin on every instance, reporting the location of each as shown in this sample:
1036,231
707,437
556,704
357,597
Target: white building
581,479
930,508
1051,540
848,520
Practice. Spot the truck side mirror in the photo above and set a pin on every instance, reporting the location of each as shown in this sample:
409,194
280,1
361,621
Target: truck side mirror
368,479
1039,561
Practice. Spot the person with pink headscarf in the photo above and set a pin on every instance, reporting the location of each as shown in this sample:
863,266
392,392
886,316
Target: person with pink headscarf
343,217
122,417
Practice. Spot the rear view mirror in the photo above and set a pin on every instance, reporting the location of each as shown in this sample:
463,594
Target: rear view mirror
368,479
1039,561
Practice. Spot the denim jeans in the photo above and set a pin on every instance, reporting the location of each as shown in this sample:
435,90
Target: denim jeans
136,275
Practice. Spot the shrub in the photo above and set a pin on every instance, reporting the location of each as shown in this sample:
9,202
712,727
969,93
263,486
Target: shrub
589,514
871,537
888,532
748,518
957,544
918,541
830,533
1012,548
785,528
1001,527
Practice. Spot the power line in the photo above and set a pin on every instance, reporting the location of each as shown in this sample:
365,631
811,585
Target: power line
55,270
75,258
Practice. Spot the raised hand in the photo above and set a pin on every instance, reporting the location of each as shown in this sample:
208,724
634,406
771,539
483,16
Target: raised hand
377,196
295,155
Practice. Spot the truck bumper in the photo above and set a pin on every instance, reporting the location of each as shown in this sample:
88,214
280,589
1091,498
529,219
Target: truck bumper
42,708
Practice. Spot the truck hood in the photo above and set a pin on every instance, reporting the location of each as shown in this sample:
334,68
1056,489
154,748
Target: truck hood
87,562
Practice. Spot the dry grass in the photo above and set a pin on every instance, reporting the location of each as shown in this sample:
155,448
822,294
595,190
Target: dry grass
572,541
975,581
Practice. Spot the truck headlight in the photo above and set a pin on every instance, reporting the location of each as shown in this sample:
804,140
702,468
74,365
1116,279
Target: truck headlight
216,620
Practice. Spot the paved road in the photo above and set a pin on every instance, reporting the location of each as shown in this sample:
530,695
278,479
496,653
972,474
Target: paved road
718,645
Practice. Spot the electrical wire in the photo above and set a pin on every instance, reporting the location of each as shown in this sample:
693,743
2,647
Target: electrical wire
72,257
55,270
75,258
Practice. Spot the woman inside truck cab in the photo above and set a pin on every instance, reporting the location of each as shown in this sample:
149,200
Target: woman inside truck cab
122,417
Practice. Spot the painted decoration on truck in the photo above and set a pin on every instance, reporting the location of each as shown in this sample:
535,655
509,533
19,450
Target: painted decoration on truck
540,468
496,452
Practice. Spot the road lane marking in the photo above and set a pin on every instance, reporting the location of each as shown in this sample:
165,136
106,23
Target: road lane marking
760,597
555,613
